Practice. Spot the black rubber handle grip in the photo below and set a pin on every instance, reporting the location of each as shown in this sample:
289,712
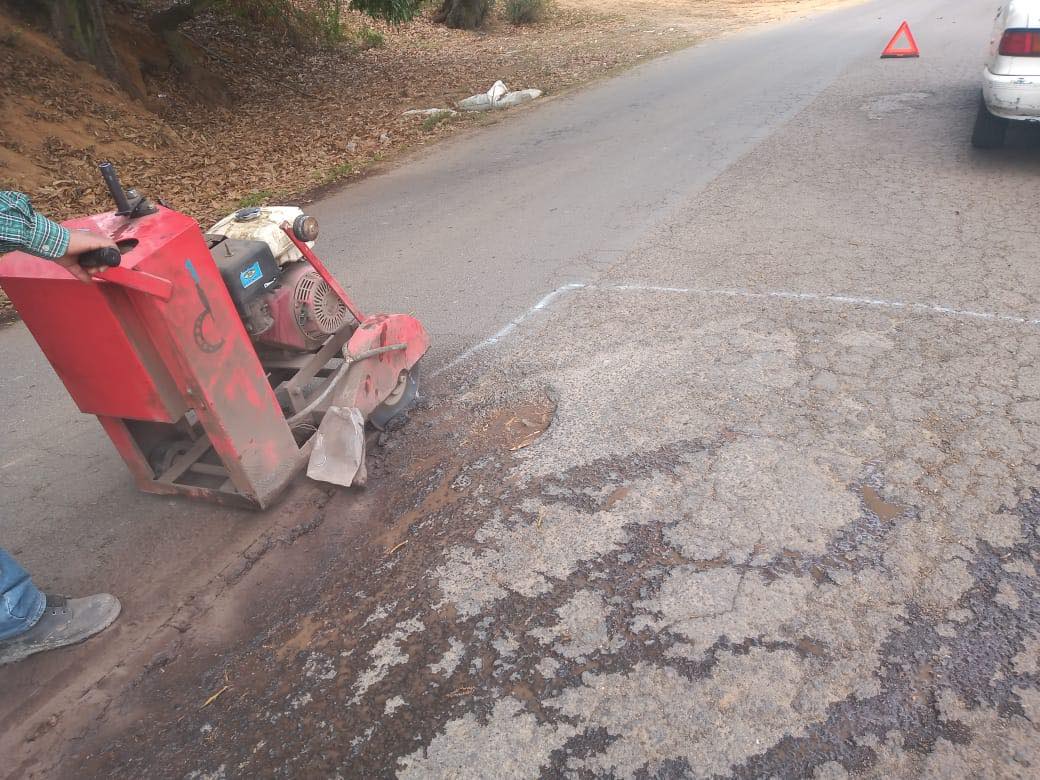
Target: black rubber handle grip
106,256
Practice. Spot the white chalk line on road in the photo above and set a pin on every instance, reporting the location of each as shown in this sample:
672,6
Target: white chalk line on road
16,461
846,299
509,327
851,300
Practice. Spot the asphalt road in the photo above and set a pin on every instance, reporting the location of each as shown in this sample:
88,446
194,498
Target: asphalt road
783,521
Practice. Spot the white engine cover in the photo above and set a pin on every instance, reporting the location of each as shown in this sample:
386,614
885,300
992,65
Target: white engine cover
264,228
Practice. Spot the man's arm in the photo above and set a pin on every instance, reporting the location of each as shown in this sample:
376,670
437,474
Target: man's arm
21,228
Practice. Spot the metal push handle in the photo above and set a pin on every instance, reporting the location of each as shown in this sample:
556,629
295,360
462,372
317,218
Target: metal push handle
128,203
106,264
115,189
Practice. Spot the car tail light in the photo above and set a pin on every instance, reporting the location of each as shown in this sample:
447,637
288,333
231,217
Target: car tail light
1020,43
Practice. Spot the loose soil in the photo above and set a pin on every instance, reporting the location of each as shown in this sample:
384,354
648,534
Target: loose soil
300,121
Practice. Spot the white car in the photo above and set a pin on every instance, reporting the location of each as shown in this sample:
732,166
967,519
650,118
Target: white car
1011,79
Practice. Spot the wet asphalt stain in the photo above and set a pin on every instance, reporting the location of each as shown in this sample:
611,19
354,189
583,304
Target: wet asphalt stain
975,664
588,743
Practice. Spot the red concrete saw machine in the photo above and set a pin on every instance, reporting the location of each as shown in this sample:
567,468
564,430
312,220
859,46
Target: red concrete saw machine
211,358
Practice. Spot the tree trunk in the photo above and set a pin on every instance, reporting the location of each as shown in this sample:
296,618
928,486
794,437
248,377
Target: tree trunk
463,14
79,26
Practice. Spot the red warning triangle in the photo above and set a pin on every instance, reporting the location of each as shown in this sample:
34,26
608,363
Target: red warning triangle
902,44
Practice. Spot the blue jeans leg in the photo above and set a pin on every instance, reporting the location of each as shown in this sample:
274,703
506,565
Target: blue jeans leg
21,602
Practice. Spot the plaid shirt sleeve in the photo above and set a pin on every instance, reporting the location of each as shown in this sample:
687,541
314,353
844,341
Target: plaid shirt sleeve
21,228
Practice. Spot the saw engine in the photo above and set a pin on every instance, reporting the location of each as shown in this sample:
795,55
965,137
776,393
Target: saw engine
284,303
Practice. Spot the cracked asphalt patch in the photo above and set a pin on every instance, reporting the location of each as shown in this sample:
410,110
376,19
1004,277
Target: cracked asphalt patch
748,576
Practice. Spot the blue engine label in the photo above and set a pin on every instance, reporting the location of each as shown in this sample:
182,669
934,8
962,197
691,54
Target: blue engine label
251,275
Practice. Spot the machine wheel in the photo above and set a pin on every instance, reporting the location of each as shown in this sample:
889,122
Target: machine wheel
989,130
401,399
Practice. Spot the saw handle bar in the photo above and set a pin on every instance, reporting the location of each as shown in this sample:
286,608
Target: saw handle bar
106,256
106,263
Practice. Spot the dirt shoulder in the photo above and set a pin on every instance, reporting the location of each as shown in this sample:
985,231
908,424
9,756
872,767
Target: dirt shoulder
306,120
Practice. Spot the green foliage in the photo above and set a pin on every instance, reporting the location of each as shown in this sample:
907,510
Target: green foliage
319,20
433,120
394,11
337,172
370,38
526,11
328,20
255,199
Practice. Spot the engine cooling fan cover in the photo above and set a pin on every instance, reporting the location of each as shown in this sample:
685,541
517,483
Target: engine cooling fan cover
317,309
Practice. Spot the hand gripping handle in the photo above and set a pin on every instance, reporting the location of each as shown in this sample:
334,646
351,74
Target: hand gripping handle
106,256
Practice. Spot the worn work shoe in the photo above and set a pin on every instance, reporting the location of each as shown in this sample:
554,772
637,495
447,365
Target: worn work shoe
64,622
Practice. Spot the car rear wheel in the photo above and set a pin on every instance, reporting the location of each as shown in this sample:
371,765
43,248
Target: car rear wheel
989,130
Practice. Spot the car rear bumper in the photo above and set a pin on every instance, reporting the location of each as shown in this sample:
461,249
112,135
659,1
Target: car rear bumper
1012,97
